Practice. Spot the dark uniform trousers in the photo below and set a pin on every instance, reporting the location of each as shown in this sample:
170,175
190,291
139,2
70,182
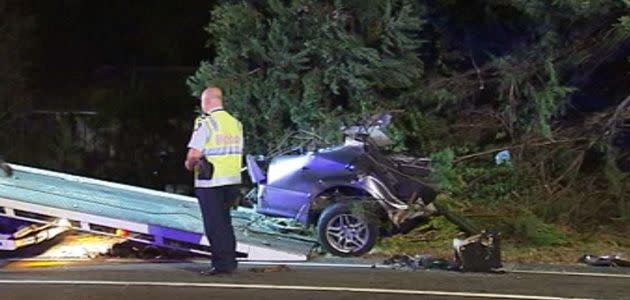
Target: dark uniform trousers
215,204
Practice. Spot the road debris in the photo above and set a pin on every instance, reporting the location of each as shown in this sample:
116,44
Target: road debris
604,261
273,269
478,253
423,261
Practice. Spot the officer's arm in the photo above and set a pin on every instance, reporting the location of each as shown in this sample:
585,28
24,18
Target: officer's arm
192,158
195,146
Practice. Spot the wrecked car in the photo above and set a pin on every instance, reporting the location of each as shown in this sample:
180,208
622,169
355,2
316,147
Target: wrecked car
351,193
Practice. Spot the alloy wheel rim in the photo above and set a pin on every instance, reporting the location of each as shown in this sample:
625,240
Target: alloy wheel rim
347,233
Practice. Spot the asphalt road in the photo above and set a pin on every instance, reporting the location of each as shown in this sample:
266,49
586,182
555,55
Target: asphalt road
153,281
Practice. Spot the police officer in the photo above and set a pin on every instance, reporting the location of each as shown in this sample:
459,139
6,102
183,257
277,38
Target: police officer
215,156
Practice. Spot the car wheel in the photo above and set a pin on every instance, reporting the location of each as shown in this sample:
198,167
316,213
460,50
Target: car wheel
344,234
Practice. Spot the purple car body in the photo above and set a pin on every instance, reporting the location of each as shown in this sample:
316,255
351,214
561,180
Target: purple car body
358,169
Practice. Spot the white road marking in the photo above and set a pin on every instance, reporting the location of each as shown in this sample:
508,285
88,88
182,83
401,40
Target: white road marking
286,287
297,264
570,273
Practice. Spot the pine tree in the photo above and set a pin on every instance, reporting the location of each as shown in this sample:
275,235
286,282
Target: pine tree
303,64
545,78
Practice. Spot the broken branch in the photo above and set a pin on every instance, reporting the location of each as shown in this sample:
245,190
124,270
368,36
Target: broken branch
491,151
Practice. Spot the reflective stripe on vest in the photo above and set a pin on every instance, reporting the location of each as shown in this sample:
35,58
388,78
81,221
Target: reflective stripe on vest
218,181
223,149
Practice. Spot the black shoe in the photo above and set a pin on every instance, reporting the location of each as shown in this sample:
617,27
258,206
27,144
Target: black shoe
214,272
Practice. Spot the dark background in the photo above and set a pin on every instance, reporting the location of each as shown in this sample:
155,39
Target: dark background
79,43
107,87
106,81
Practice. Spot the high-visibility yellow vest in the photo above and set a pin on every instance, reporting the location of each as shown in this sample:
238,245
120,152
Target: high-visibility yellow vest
223,149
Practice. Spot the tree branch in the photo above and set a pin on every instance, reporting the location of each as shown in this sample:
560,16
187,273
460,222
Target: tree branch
491,151
625,104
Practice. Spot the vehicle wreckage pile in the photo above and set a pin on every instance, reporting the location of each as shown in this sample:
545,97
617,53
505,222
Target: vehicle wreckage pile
477,253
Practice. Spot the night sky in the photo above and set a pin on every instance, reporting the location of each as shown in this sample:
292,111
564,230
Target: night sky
79,42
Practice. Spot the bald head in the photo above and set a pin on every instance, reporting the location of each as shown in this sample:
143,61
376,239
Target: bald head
211,98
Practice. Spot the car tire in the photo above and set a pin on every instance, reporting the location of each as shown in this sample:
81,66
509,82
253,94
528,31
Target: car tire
343,234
